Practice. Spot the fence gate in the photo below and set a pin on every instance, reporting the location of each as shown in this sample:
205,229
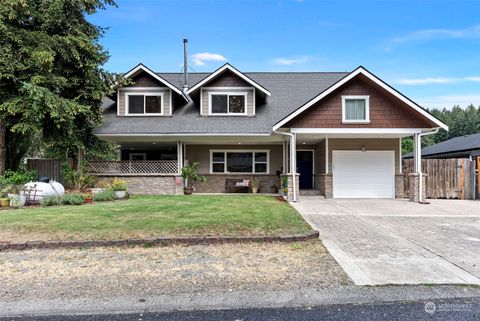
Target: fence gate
51,168
446,178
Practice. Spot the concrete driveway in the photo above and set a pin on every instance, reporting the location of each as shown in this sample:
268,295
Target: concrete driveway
398,242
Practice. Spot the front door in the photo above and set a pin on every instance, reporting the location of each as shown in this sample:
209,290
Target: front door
305,168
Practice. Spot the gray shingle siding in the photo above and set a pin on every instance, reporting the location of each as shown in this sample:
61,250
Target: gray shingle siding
289,92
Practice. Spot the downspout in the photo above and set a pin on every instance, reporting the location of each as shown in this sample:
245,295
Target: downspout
293,169
418,150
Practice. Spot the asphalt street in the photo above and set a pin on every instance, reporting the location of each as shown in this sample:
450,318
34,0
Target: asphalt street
445,309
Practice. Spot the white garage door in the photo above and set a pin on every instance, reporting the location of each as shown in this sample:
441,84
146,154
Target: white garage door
358,174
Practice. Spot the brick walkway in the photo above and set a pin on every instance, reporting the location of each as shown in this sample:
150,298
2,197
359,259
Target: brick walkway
397,242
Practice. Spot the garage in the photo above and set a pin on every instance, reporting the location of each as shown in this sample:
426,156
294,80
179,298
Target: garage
363,174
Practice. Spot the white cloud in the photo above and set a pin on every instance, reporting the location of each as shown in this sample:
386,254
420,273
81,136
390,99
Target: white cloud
424,35
199,59
472,32
435,80
290,61
449,101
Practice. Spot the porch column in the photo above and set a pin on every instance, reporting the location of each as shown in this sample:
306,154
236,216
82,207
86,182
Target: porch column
285,157
179,183
417,192
180,156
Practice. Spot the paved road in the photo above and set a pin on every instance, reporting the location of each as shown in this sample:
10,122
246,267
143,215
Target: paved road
398,242
450,309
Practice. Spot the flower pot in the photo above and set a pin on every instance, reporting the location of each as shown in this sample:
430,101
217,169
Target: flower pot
17,200
23,200
188,190
120,194
4,202
89,200
254,190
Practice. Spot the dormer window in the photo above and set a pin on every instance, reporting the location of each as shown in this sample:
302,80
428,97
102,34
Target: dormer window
228,103
144,103
355,109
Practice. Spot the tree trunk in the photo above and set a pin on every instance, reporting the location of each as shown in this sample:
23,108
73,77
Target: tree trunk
80,158
3,148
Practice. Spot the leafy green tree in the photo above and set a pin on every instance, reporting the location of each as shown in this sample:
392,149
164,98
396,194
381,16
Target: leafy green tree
51,79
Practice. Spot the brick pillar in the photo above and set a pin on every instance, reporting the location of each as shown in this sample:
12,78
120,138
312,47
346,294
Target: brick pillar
399,185
179,185
413,194
328,181
290,186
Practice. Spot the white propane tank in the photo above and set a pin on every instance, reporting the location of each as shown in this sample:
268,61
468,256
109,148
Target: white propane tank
58,188
37,191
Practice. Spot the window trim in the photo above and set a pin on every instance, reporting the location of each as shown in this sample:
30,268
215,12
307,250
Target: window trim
367,109
253,151
228,93
145,94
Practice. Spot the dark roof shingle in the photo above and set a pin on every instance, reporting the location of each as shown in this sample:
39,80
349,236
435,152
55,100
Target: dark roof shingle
290,90
454,145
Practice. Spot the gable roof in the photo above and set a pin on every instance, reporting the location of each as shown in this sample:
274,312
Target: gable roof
144,68
186,117
344,80
238,73
465,143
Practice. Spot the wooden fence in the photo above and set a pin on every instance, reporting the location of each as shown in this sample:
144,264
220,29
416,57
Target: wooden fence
446,178
51,168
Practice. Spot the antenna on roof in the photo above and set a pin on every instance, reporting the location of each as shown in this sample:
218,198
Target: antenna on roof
185,65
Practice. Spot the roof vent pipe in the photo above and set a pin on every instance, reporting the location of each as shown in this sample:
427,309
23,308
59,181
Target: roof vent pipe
185,65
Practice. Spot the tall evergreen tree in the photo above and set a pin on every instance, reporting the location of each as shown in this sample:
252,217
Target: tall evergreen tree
51,76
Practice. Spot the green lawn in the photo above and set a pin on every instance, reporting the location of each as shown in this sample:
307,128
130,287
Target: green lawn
143,216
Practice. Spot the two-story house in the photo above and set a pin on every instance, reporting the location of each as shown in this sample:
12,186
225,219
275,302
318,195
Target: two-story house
335,132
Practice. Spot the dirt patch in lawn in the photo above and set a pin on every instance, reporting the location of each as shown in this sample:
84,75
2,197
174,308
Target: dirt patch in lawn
101,272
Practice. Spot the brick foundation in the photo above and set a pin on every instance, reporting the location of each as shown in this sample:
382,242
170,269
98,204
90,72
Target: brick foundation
414,179
217,183
150,185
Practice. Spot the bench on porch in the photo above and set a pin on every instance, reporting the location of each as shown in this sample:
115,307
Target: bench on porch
237,185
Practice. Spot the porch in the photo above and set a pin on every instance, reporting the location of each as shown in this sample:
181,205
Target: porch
305,158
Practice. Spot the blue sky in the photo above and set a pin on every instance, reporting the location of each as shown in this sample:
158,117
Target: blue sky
428,50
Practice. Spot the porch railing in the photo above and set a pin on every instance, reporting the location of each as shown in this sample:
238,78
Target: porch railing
132,167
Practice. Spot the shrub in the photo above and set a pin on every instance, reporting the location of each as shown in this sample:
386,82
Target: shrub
105,196
51,201
17,177
73,199
77,179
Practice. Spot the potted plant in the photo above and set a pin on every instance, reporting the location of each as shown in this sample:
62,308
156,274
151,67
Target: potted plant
120,187
4,201
285,186
255,185
190,176
273,189
17,196
88,197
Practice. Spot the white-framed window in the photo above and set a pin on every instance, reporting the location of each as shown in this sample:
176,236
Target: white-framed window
239,161
141,103
227,103
355,109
